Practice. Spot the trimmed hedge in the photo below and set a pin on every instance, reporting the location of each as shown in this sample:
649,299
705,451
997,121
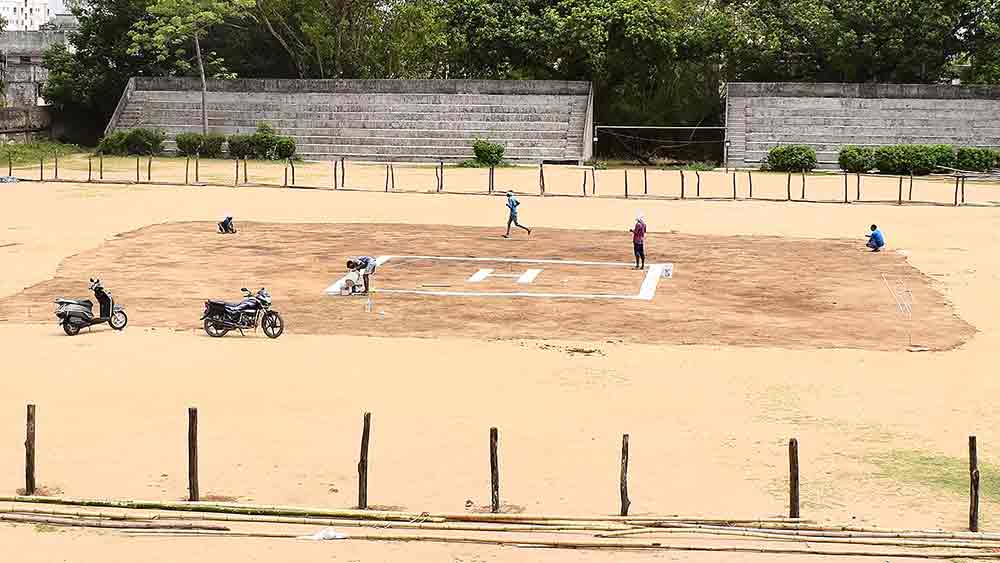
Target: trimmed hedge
913,159
284,148
133,141
188,144
856,159
240,146
264,141
791,158
488,153
209,146
976,159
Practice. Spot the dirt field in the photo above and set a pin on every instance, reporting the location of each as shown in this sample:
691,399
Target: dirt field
816,293
882,432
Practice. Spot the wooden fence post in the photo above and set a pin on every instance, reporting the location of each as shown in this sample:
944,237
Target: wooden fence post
541,177
624,477
788,188
284,182
197,168
626,183
593,181
41,168
910,197
697,190
584,182
137,178
10,165
734,185
149,169
193,454
682,183
441,181
845,186
392,176
899,199
963,189
363,463
292,164
494,472
187,166
973,486
100,163
857,195
956,190
750,181
29,452
343,173
56,157
244,170
645,182
333,165
803,196
90,167
236,177
793,478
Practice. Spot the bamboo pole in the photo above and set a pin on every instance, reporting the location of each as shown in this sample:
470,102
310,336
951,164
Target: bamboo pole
613,545
494,472
623,485
193,454
363,463
793,478
934,542
29,452
973,485
84,523
277,510
842,532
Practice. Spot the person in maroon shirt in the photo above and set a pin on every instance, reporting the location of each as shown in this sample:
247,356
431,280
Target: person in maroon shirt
639,242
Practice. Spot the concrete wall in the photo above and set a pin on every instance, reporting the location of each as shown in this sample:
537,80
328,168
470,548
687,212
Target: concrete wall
827,116
23,80
377,119
21,124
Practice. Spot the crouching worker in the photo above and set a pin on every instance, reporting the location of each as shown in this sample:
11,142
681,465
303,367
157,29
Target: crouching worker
365,265
226,226
876,240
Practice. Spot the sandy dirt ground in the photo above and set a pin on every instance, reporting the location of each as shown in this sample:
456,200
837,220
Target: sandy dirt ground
817,293
882,432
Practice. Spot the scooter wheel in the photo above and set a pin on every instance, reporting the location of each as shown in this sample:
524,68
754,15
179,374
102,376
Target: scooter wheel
71,329
118,320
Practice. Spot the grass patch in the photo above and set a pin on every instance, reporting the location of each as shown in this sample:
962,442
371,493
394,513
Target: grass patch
616,164
473,163
32,152
45,528
944,473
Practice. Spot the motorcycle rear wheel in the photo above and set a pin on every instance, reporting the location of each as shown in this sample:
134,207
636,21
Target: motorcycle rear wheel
71,329
272,324
214,330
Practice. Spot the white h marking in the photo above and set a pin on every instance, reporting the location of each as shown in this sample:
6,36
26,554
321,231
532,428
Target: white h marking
528,276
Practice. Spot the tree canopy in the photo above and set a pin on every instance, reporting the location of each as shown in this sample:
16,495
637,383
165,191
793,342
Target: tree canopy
651,61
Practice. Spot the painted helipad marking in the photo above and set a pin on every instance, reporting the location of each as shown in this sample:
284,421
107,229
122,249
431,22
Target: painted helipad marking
529,275
646,291
481,275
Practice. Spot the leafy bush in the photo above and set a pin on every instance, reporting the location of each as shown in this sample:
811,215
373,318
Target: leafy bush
115,143
791,158
264,141
211,145
31,151
976,159
188,144
240,146
487,153
284,148
913,159
856,159
700,166
144,141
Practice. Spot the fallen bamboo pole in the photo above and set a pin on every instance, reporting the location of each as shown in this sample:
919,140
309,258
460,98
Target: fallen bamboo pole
276,510
902,534
932,542
617,545
85,523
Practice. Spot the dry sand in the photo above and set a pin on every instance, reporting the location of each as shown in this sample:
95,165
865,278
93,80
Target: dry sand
280,419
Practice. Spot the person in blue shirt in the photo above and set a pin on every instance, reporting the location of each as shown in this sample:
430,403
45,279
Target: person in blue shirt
512,214
876,240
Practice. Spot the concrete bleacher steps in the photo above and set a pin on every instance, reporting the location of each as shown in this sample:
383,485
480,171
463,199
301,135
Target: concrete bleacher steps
376,119
760,116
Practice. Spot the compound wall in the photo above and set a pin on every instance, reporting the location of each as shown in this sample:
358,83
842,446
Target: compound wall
403,120
827,116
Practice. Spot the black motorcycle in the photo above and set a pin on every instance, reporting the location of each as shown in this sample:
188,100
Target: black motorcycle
220,316
74,315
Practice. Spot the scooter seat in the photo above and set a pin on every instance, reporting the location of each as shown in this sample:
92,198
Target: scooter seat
82,302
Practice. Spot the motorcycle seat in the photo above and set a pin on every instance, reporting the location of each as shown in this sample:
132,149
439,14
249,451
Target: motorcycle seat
82,302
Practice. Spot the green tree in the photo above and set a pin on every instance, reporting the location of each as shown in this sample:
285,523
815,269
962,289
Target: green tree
174,23
87,76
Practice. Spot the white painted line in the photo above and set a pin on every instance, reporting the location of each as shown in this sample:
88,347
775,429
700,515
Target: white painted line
514,294
516,260
529,275
338,285
481,275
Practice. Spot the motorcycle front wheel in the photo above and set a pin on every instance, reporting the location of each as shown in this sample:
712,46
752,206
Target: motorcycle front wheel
272,324
118,320
70,329
214,330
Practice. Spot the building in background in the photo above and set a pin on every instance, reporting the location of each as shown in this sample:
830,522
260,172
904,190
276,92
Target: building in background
25,15
21,59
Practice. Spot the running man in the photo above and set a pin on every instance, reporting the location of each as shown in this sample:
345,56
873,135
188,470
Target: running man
512,217
639,242
366,266
876,241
